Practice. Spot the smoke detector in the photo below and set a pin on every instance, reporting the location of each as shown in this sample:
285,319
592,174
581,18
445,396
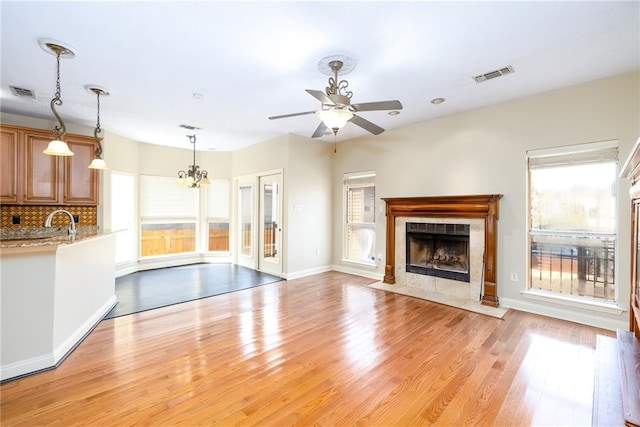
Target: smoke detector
493,74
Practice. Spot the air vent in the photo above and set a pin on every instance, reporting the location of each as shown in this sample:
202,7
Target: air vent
22,92
493,74
189,127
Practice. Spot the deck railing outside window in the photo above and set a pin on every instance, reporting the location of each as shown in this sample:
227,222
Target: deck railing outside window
577,264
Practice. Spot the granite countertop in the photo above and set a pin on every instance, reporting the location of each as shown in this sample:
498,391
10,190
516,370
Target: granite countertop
41,236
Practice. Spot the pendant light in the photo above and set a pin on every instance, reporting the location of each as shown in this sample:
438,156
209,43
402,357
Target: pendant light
57,147
98,162
193,177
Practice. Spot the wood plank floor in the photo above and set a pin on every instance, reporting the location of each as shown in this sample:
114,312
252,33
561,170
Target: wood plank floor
322,350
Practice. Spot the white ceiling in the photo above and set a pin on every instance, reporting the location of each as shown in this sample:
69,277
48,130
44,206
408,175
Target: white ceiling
252,59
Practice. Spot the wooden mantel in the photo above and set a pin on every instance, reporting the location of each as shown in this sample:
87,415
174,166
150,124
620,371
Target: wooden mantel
484,206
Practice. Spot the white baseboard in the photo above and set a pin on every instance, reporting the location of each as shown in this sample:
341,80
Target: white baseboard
51,360
304,273
594,318
24,367
79,334
358,272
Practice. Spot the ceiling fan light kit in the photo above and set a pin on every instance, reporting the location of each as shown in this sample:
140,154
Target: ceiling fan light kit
335,118
336,109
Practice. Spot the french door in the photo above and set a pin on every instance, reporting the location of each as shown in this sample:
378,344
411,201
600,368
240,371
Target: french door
259,222
270,234
245,225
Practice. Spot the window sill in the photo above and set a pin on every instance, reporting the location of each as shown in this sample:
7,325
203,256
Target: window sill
360,263
577,302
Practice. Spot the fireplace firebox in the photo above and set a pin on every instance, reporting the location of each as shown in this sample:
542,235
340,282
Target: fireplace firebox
440,250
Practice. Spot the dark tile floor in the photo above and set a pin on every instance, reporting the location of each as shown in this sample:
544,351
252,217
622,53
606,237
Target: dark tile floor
146,290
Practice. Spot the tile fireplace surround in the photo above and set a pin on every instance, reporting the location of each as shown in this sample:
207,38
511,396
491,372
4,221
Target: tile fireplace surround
479,211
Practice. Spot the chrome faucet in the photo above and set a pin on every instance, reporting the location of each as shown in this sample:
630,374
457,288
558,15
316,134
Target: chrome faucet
72,224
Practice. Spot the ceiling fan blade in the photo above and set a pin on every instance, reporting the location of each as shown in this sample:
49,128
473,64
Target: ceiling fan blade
366,125
320,96
291,115
320,130
380,105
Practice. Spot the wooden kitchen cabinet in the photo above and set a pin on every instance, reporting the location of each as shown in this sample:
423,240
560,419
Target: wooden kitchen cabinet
9,166
80,184
30,177
41,171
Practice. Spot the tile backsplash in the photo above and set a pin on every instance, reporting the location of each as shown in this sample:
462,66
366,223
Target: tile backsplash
34,216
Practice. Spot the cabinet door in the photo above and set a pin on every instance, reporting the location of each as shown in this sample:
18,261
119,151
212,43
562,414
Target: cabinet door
41,170
9,166
80,182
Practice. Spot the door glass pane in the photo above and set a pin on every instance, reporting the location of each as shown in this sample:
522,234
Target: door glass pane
270,198
245,210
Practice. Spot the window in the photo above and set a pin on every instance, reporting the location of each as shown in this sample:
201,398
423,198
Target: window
168,214
122,215
245,217
218,215
572,220
359,229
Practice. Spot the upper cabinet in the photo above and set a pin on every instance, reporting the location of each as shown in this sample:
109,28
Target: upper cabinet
39,184
9,166
80,184
30,177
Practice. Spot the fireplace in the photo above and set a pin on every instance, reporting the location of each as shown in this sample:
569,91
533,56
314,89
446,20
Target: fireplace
440,250
480,211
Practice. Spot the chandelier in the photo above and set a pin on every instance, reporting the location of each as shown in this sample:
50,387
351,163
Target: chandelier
193,177
57,146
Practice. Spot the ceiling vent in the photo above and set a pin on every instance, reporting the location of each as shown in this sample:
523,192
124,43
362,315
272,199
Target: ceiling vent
493,74
189,127
22,92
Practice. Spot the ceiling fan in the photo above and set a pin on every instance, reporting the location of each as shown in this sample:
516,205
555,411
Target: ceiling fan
336,107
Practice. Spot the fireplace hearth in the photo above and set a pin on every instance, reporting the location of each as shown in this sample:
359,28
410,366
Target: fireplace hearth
440,250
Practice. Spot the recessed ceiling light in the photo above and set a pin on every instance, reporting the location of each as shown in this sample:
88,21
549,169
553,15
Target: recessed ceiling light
197,95
394,113
437,101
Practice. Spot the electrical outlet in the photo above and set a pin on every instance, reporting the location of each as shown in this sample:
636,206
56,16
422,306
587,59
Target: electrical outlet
514,277
15,219
76,218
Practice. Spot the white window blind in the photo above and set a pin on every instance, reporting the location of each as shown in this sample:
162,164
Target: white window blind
218,199
594,152
360,189
162,197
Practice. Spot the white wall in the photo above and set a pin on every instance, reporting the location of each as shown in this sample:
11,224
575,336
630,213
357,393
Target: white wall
484,151
306,166
309,206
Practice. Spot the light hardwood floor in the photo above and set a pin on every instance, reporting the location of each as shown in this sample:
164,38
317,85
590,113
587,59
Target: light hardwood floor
321,350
